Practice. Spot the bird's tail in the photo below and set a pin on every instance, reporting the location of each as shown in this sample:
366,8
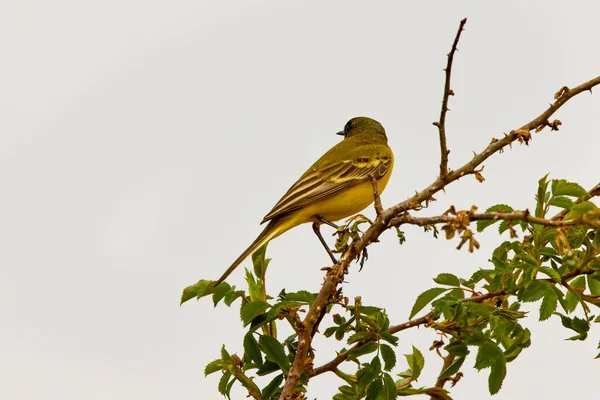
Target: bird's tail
271,231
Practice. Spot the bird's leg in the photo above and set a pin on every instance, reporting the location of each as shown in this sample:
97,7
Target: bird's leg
376,198
317,231
326,222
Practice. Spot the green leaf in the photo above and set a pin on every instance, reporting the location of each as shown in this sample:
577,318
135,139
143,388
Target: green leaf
251,310
388,355
581,209
302,296
223,383
259,261
220,292
457,348
481,274
533,292
267,368
447,279
573,297
552,273
271,389
213,366
275,352
369,371
362,350
252,350
562,202
503,208
453,368
497,375
540,196
231,296
488,354
388,337
561,187
389,387
374,390
425,298
196,290
548,305
594,284
415,362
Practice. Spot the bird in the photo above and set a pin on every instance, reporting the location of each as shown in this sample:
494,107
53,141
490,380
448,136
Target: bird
336,186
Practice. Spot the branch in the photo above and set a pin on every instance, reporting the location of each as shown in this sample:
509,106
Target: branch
335,274
495,216
424,320
441,124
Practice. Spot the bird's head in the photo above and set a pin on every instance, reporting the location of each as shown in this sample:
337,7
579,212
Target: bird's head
358,125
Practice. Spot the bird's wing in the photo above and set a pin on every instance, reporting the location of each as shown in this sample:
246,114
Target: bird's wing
326,181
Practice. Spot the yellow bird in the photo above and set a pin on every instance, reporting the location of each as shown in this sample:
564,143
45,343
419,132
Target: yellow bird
337,186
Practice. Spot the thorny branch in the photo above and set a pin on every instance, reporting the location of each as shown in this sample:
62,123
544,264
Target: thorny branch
335,275
441,124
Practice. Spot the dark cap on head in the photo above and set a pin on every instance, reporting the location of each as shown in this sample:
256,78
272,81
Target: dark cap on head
361,124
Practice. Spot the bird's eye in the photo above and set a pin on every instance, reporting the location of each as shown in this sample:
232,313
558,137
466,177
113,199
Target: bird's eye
348,126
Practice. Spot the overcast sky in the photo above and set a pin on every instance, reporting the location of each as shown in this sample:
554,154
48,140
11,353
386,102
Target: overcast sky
142,142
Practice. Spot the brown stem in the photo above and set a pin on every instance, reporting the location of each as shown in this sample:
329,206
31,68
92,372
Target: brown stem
441,124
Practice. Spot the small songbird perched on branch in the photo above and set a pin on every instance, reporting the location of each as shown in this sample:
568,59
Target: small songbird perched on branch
337,186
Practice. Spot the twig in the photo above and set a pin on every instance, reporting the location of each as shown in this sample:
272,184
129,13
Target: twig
496,216
441,124
376,198
427,318
381,223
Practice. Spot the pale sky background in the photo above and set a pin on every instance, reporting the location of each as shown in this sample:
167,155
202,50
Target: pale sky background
142,142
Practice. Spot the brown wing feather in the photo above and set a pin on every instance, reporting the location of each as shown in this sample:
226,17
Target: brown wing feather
325,182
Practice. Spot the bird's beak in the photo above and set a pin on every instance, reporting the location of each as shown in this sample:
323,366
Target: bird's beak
341,133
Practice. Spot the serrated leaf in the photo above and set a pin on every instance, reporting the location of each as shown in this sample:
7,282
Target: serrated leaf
252,350
481,274
269,391
389,356
548,305
487,355
425,298
362,350
196,290
368,372
580,209
540,196
416,361
251,310
213,366
452,368
219,292
388,337
594,284
497,375
573,295
503,208
222,387
302,296
561,187
358,336
274,352
231,296
267,368
456,348
552,273
447,279
562,202
533,292
389,386
375,389
259,262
